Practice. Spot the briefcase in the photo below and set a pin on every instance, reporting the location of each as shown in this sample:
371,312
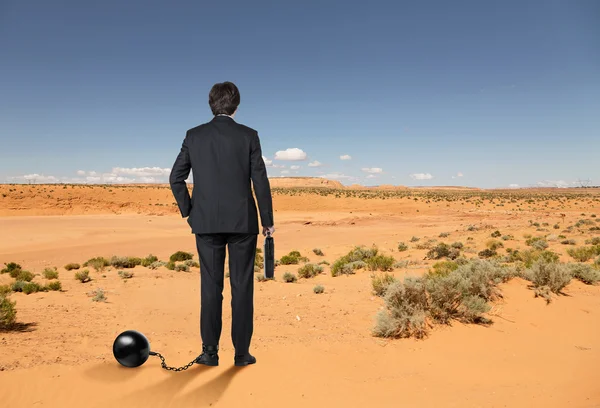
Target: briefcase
269,253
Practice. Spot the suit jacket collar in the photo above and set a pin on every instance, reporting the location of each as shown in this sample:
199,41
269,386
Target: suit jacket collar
223,119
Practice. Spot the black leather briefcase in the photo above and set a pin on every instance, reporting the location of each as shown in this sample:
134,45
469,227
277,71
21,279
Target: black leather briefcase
269,251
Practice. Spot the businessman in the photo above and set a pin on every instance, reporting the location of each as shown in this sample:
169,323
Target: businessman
224,157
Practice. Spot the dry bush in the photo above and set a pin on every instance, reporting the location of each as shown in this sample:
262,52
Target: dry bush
50,273
149,260
98,295
12,269
83,276
582,254
98,263
355,259
182,268
585,273
442,250
71,266
259,259
318,289
157,264
289,277
380,262
402,247
318,252
180,256
381,282
309,271
125,274
191,263
8,311
54,285
553,275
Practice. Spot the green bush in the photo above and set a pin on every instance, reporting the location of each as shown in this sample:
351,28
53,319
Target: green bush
98,263
357,258
318,252
380,262
50,273
25,276
10,267
457,245
71,266
191,263
289,277
149,260
54,285
289,260
32,287
585,273
156,265
494,244
125,262
170,266
487,253
8,312
548,277
442,268
381,282
582,254
442,250
318,289
83,276
182,268
402,247
180,256
17,286
309,271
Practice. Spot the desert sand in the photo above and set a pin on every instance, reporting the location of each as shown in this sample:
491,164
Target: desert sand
313,350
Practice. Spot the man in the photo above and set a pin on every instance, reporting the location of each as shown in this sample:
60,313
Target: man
224,156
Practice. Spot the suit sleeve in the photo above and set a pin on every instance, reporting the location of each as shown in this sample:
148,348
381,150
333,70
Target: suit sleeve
260,181
179,173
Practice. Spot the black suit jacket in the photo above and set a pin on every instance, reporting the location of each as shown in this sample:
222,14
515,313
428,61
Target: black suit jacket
224,156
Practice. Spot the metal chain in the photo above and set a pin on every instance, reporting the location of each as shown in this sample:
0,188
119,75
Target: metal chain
164,365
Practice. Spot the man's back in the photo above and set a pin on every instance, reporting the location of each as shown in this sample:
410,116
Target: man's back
224,157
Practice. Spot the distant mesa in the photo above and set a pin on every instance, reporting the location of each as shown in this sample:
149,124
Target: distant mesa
287,182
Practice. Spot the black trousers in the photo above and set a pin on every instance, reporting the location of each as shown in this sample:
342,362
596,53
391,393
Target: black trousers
242,251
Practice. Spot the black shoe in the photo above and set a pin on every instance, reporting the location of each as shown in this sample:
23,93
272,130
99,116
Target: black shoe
244,360
209,356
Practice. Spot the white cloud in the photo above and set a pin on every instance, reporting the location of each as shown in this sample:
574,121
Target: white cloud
556,183
80,172
370,176
316,163
35,179
459,174
294,167
141,171
337,176
268,162
421,176
291,154
345,157
372,170
285,172
513,185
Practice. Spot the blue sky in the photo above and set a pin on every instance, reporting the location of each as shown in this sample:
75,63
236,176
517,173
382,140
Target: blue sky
475,93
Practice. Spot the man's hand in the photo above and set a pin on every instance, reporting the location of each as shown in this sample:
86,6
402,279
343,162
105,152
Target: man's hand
270,230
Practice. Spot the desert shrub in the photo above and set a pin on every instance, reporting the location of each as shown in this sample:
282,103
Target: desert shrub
556,226
494,244
262,278
33,287
380,282
585,273
259,259
309,270
355,259
71,266
380,262
8,312
597,262
426,245
581,254
182,268
507,237
444,235
553,275
318,289
457,245
98,263
156,265
487,253
402,247
98,295
551,237
149,260
400,264
414,239
50,273
442,250
54,285
289,277
5,289
318,252
495,234
170,266
191,263
124,262
180,256
125,274
25,276
593,241
10,267
83,276
442,268
17,286
323,263
405,314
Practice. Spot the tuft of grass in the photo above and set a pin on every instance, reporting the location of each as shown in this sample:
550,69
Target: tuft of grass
191,263
50,273
10,267
54,285
98,263
319,289
289,277
125,274
181,256
149,260
585,273
8,311
182,268
83,276
381,282
71,266
309,271
261,278
98,295
318,252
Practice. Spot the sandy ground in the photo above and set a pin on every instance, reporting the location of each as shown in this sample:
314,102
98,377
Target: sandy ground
312,350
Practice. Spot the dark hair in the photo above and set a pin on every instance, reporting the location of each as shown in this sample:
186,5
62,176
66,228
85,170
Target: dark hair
224,98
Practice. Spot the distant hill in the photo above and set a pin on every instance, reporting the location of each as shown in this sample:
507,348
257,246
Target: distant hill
289,182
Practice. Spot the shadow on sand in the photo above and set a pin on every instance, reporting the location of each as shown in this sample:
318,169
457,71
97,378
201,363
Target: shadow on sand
19,327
